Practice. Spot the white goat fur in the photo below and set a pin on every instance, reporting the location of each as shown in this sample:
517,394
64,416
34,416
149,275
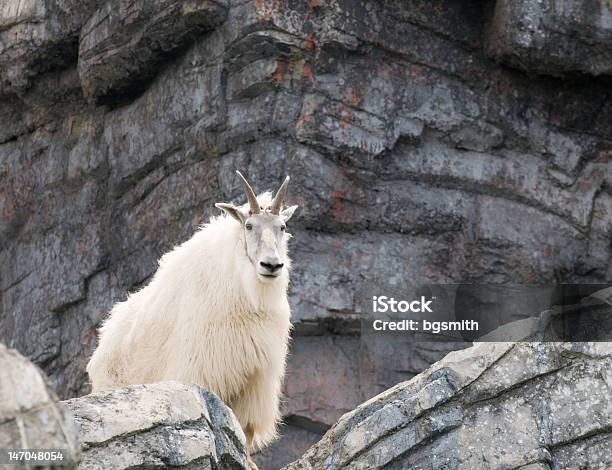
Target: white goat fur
205,318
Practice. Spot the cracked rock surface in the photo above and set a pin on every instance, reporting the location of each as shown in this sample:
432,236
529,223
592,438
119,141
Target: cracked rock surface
160,425
495,405
417,150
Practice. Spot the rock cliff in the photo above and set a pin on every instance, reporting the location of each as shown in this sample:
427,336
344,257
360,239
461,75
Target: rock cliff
427,140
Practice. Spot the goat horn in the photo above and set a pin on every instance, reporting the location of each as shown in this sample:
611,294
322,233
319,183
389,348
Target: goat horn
277,202
254,205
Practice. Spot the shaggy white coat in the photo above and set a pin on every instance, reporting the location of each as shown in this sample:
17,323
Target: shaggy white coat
206,319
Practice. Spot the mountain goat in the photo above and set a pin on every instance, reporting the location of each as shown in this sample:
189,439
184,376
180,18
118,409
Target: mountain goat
215,314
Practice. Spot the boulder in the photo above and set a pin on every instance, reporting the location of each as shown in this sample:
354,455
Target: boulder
160,425
30,415
495,405
552,37
141,426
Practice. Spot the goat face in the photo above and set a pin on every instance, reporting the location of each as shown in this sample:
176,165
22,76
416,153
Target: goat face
265,242
265,230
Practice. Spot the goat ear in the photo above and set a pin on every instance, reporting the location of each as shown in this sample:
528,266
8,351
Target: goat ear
232,210
287,213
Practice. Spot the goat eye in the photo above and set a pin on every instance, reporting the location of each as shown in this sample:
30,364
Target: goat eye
283,227
249,227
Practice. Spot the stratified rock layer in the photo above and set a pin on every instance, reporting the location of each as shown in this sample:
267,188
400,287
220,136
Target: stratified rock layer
158,426
30,416
495,405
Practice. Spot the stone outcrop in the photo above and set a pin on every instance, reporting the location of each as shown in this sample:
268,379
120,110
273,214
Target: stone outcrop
160,425
124,43
496,405
37,36
552,37
412,153
30,415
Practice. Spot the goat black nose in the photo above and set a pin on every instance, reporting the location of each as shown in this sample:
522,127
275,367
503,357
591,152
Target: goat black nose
271,267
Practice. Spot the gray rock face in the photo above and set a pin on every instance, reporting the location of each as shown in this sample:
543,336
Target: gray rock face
37,36
30,415
158,426
553,37
495,405
123,43
414,156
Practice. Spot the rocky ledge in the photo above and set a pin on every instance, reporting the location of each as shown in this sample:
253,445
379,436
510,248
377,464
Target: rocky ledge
533,406
163,425
160,425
